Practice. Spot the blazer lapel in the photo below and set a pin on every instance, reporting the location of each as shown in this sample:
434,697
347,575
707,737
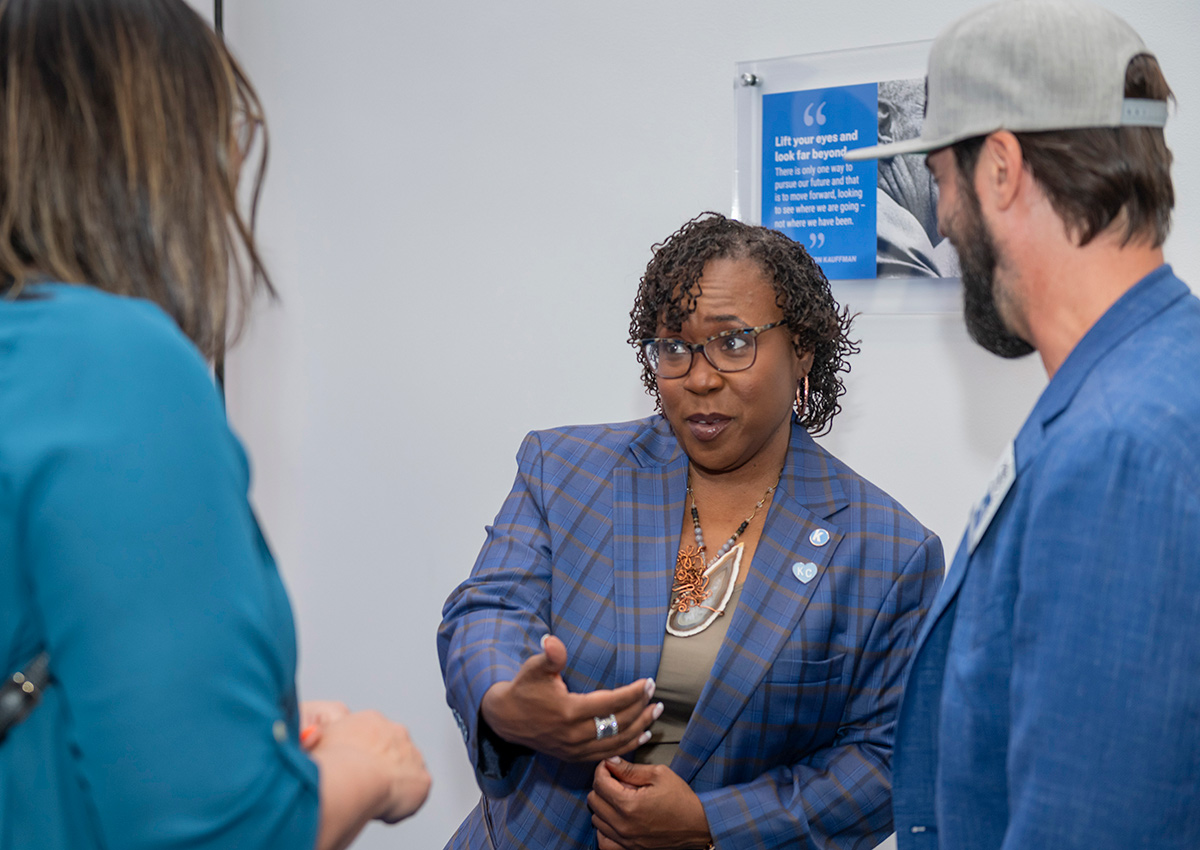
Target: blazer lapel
647,504
773,597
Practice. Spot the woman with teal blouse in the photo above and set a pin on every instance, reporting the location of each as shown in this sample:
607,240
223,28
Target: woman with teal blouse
129,553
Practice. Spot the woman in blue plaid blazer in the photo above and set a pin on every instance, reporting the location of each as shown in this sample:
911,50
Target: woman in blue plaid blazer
550,647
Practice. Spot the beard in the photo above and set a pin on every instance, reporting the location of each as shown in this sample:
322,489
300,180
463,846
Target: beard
977,256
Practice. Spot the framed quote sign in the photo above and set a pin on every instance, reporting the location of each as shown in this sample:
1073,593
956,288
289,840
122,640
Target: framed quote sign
872,226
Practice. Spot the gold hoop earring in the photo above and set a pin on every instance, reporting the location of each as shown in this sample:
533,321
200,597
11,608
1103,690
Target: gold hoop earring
801,404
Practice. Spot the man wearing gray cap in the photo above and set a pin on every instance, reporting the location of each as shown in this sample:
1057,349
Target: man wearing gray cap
1054,697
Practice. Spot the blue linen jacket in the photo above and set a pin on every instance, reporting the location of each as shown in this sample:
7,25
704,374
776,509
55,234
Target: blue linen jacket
1054,698
790,741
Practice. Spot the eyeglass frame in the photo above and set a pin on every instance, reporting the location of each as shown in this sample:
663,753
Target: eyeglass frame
701,347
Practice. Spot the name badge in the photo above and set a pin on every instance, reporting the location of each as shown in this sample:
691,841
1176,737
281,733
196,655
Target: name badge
985,509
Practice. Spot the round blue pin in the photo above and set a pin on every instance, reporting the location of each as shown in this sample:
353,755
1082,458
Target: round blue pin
819,537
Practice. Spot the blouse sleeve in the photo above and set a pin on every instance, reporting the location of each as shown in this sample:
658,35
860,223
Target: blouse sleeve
171,638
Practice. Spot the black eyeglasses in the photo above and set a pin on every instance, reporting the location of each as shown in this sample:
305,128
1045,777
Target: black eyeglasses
728,351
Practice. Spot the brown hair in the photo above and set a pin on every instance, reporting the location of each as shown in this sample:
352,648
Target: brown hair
119,158
1097,177
668,291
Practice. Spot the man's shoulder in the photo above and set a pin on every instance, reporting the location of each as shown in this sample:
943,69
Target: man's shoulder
1139,406
1147,384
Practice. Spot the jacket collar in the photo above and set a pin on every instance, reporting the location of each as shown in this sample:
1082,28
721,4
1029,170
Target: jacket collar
808,476
1146,299
656,444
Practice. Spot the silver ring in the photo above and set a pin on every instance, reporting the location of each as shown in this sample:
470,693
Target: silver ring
606,727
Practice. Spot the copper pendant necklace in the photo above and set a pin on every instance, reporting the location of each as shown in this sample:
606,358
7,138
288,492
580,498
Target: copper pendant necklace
694,572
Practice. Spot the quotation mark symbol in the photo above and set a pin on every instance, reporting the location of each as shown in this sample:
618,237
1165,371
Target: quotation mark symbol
817,239
820,116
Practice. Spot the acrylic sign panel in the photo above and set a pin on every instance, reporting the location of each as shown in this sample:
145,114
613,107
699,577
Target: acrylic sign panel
863,222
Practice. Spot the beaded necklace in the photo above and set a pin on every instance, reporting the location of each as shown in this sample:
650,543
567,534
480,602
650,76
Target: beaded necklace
728,544
694,572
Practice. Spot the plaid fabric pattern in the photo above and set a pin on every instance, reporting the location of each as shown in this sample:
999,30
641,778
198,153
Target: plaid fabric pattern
790,742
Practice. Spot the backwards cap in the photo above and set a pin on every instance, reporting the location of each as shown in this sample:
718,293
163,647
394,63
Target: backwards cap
1028,66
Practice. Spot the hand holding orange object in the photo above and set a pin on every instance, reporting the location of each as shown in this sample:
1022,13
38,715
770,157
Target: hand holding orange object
315,715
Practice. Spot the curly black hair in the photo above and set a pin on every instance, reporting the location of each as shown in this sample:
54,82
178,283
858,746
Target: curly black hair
668,291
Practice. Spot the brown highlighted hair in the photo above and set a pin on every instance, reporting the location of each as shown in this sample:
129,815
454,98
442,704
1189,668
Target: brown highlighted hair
123,127
668,291
1106,176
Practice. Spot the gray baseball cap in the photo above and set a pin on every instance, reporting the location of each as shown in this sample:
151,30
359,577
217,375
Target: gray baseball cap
1027,66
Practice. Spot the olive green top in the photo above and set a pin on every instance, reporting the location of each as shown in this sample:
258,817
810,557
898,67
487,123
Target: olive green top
684,669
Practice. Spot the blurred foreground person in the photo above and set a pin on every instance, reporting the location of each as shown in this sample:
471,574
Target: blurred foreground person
1054,700
131,565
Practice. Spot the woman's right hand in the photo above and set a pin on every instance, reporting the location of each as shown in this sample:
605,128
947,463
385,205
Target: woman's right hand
536,710
370,770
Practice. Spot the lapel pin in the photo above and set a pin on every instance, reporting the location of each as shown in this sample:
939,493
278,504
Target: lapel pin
819,537
806,571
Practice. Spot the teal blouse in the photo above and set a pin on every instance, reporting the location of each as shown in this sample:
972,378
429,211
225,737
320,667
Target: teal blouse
129,550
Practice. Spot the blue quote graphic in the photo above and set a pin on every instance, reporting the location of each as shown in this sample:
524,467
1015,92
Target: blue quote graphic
808,192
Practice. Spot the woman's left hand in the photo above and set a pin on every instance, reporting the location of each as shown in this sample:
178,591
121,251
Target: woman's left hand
645,807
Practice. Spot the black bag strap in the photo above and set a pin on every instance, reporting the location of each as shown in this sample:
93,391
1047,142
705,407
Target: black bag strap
22,691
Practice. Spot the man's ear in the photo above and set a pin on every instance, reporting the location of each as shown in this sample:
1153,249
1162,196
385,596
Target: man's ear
999,169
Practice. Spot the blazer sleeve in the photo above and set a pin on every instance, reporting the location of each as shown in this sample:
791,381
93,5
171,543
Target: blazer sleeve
840,796
496,619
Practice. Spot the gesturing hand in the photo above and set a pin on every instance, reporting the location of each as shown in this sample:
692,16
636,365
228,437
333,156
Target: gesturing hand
536,710
645,807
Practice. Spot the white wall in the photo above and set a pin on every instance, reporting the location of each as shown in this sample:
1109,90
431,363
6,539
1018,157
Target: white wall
461,198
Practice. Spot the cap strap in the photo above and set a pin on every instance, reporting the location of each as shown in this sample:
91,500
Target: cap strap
1139,112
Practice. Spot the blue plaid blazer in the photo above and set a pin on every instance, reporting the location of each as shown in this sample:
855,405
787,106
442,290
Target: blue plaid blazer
790,742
